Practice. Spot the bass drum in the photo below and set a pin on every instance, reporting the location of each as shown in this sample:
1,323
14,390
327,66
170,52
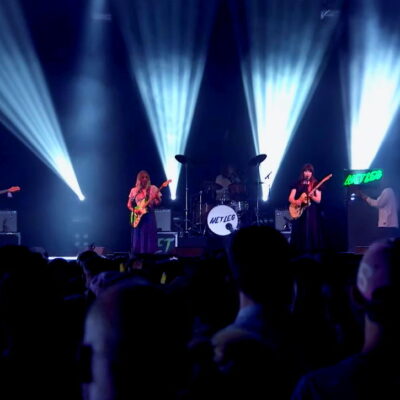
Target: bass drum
222,220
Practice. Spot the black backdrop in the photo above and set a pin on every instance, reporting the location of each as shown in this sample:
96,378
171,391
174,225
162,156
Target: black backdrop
107,158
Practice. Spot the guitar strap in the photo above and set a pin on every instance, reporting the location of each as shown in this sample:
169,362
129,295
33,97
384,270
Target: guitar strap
133,199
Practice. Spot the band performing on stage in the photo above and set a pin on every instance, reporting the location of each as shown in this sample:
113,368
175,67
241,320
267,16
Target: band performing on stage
227,204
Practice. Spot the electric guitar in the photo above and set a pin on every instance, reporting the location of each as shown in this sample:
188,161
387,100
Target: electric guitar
295,210
142,208
12,189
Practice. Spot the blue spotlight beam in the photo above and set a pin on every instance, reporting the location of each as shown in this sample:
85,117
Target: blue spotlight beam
25,104
371,83
281,59
167,43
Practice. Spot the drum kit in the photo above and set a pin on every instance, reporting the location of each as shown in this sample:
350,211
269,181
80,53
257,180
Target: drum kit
220,216
223,215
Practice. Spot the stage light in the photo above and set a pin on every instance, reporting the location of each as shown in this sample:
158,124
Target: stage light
167,42
25,103
282,45
371,83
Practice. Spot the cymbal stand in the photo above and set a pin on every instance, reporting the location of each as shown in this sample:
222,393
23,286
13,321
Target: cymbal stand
258,195
255,162
200,209
184,160
186,201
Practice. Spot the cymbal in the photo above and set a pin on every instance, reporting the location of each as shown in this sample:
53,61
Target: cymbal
189,160
257,159
181,158
210,185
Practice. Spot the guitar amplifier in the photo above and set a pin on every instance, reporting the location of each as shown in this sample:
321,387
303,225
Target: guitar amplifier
163,219
283,220
8,221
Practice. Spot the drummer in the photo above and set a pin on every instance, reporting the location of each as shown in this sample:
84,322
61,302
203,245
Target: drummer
227,176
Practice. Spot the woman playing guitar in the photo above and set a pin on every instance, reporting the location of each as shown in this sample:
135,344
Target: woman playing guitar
303,198
142,199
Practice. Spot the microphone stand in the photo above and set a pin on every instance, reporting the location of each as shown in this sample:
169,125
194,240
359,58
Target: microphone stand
258,195
256,161
184,160
269,184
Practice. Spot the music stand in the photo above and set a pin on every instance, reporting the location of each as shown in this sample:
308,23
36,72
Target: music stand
184,161
255,162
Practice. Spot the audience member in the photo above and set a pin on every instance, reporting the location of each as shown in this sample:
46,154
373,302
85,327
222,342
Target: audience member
259,257
372,373
130,349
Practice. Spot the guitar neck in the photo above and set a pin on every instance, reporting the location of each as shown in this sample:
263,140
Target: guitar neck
152,197
315,188
147,202
319,184
11,189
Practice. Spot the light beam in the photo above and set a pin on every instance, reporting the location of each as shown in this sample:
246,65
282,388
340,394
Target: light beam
371,83
167,42
25,103
282,45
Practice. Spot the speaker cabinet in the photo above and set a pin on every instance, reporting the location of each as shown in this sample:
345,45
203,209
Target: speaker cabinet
8,221
362,221
163,219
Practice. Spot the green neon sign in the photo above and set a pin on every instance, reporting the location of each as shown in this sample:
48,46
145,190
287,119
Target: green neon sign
357,178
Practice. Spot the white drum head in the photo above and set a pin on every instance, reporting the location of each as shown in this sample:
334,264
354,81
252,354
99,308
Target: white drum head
222,220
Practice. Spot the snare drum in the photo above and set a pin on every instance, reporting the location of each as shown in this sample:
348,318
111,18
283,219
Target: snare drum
222,220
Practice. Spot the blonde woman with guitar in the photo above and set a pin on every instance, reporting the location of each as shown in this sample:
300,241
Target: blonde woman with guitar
142,200
304,198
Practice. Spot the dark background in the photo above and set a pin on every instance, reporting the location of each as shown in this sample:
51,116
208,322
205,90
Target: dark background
108,154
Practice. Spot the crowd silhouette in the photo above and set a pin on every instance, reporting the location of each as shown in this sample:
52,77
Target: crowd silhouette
254,320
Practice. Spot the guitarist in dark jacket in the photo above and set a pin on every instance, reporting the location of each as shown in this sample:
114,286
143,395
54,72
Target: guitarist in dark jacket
306,234
142,199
